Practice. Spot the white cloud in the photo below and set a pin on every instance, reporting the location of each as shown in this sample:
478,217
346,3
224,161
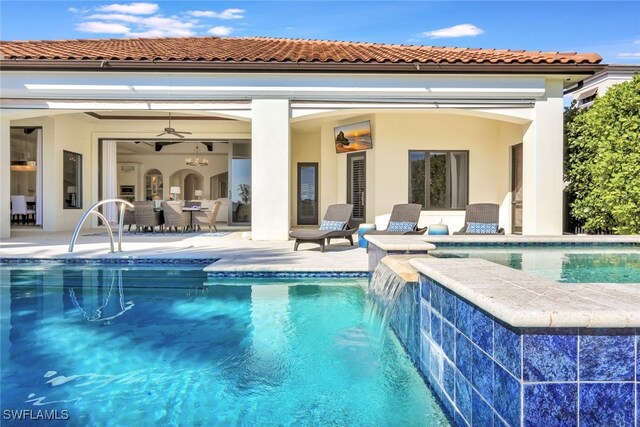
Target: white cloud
102,27
629,55
144,20
636,42
116,17
132,8
78,11
220,31
462,30
225,14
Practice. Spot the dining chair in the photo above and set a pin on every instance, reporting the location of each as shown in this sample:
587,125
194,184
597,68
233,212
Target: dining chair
19,209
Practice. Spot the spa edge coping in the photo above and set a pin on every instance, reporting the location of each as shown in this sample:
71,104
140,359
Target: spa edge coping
401,243
526,301
423,242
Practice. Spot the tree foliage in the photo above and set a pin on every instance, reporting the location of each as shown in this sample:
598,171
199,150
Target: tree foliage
603,160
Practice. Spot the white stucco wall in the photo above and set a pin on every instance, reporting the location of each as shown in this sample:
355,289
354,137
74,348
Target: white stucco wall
60,133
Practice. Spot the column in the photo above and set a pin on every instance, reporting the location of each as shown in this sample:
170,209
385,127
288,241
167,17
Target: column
5,179
543,182
110,178
270,169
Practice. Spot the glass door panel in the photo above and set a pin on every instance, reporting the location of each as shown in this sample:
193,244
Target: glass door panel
240,183
307,193
438,183
516,189
356,186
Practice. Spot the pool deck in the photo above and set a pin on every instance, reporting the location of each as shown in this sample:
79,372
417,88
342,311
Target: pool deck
234,253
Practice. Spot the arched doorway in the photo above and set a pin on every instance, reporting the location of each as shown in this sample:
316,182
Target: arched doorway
188,181
154,186
192,182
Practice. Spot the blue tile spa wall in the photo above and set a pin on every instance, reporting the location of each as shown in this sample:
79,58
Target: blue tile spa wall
486,373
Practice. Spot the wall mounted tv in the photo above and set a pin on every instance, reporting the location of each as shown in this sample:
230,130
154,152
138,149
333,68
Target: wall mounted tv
353,137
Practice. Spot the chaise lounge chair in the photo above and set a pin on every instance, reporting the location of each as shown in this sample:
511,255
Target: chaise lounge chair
481,219
335,225
404,220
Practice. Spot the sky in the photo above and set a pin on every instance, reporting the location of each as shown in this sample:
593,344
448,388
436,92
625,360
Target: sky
609,28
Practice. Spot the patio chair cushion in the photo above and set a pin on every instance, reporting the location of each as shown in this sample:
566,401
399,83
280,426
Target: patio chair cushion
481,228
401,226
331,225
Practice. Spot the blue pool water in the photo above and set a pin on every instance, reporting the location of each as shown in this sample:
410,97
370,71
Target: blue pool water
570,264
156,346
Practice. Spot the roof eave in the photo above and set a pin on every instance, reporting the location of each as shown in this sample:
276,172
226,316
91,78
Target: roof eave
270,67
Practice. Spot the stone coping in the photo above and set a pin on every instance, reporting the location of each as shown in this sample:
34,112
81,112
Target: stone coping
400,264
400,242
525,301
494,238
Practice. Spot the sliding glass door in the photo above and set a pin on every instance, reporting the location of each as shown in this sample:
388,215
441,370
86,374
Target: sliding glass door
240,183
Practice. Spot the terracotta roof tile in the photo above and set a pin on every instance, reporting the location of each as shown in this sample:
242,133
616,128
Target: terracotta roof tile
264,49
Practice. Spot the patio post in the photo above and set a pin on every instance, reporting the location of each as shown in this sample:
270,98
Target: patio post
270,169
543,183
5,178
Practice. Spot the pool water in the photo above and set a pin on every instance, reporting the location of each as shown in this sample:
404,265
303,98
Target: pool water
157,346
569,264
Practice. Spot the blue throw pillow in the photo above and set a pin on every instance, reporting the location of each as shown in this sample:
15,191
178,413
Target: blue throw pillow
482,228
401,226
331,225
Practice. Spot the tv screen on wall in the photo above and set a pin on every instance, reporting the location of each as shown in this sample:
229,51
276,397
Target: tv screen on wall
353,137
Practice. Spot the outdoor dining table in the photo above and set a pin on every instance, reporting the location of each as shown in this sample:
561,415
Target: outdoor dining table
191,210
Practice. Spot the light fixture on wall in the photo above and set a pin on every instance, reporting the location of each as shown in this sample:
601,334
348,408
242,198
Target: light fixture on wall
195,159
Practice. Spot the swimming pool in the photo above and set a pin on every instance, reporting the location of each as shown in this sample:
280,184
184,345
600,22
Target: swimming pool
117,345
563,263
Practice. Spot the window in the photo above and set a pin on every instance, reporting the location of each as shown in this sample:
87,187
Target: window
438,180
72,180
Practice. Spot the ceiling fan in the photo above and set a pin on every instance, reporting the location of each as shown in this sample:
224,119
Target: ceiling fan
171,131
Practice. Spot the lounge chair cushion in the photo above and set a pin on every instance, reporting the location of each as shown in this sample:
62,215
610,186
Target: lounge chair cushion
481,228
331,225
401,226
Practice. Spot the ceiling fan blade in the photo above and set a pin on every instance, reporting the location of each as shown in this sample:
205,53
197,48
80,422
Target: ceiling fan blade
182,131
178,135
160,134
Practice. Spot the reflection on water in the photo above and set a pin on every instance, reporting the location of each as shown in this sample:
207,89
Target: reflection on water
111,307
563,264
126,346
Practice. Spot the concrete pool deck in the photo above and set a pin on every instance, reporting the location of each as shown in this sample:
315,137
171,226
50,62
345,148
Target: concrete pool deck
234,253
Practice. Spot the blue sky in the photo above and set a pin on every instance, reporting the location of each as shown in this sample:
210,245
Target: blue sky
610,28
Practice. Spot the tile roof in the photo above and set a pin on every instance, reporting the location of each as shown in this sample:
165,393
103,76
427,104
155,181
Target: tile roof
274,50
